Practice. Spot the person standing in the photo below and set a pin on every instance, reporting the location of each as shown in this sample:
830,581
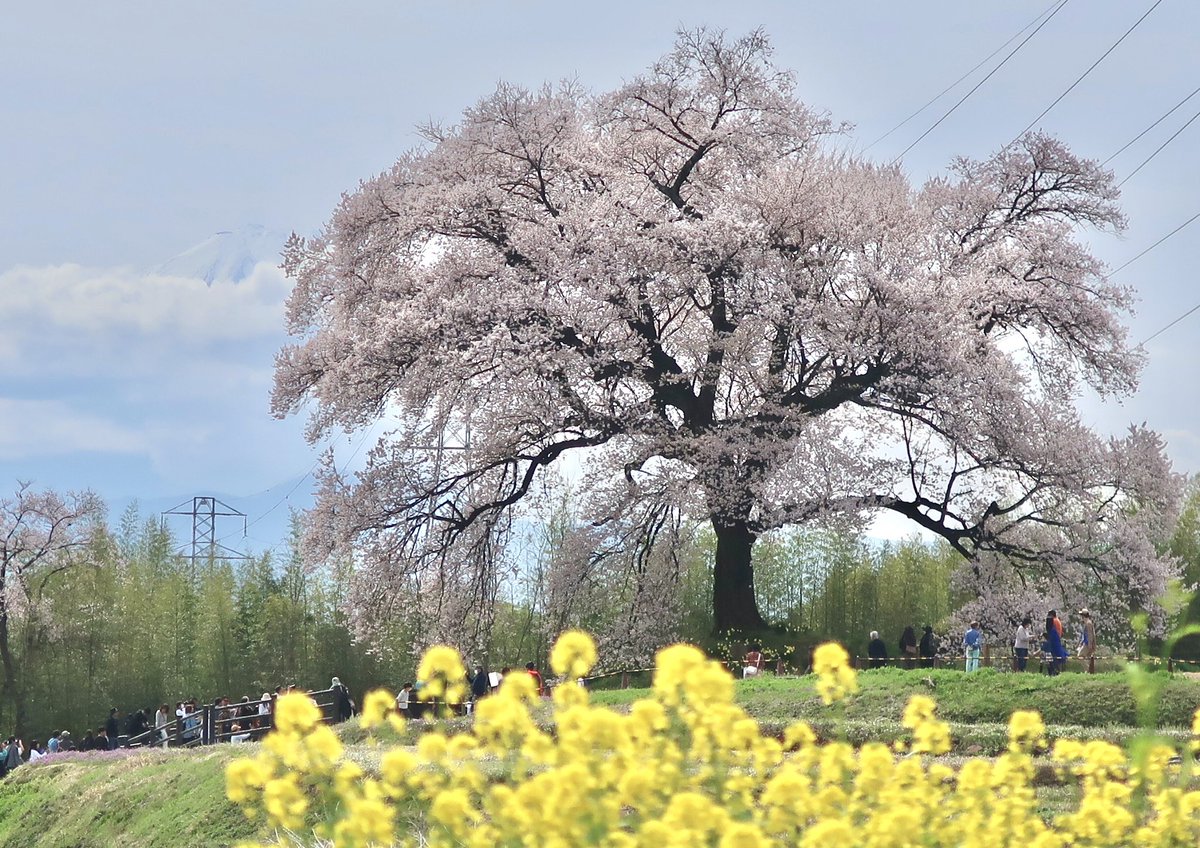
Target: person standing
1021,643
112,728
927,647
16,750
876,651
973,644
1087,648
161,719
1058,654
343,707
537,678
402,698
479,683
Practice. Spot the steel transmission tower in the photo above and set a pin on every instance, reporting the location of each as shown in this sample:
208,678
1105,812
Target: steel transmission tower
204,513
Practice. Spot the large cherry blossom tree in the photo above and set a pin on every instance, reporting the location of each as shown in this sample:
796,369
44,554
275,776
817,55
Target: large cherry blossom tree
686,284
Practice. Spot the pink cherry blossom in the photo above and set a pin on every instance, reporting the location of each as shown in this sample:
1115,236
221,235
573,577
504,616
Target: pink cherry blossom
685,284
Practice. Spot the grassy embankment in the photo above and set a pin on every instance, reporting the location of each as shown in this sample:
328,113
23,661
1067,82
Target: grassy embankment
146,799
976,705
176,799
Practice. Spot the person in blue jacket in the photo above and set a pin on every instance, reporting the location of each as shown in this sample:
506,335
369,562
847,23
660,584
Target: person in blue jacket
973,644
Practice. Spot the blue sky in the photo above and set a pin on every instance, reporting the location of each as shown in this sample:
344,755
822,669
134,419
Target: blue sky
135,130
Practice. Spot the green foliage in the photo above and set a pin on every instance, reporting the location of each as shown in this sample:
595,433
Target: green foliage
1185,547
139,626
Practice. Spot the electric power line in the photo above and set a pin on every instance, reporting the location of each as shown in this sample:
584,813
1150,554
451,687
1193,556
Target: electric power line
1154,336
958,81
1146,161
297,485
1091,68
1116,271
979,84
1138,137
277,503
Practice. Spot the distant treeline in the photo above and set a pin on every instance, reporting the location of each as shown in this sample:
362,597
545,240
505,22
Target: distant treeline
136,625
132,624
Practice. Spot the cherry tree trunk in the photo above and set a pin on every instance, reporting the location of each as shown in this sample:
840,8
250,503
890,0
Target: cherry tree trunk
12,686
734,605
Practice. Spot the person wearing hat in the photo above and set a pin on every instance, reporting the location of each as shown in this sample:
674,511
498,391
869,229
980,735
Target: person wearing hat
1087,647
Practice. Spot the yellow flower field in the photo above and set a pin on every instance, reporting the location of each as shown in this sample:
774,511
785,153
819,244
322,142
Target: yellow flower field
687,767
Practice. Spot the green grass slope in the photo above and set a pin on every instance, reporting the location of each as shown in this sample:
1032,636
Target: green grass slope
986,696
143,799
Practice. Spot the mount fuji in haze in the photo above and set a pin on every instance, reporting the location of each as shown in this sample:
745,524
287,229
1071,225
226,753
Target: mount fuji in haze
226,256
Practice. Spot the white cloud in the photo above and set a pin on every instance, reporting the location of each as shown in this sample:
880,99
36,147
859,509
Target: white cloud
53,428
67,319
168,371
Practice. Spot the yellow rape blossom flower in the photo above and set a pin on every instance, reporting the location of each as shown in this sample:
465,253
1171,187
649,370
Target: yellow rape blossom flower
368,823
573,655
835,678
284,802
245,779
688,766
297,713
443,675
1026,732
377,706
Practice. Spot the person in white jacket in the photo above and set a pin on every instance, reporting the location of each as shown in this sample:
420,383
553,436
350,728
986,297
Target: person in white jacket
162,717
1021,643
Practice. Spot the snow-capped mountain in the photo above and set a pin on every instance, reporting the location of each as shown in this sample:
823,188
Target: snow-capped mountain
229,255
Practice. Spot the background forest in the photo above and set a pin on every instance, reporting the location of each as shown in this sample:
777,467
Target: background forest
132,624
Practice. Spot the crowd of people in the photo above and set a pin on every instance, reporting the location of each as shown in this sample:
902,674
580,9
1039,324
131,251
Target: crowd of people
1049,646
233,721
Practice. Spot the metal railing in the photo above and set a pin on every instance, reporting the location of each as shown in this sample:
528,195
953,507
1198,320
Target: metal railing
209,724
